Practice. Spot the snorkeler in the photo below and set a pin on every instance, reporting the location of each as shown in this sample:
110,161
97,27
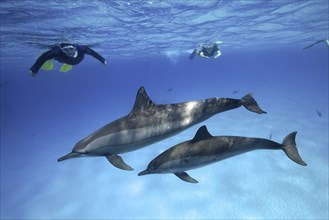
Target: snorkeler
207,51
67,53
319,41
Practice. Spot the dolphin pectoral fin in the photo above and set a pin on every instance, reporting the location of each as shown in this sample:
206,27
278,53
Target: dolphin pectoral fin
118,162
185,177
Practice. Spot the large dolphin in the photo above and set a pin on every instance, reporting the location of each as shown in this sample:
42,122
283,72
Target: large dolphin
205,149
148,123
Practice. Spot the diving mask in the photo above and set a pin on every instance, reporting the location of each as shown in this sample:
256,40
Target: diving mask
70,51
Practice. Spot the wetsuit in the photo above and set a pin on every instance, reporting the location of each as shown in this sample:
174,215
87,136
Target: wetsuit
57,54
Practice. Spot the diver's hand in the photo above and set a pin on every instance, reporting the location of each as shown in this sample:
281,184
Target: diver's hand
33,73
202,55
105,63
218,54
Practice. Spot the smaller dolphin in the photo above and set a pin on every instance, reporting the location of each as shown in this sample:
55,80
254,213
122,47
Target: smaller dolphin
205,149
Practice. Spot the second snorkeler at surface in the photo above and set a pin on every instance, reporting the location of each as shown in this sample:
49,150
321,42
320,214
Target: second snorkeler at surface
207,51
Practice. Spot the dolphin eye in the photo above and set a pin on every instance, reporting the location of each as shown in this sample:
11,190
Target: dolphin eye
154,165
185,160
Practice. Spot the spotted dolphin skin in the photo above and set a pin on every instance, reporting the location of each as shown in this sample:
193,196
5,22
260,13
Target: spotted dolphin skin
205,149
148,123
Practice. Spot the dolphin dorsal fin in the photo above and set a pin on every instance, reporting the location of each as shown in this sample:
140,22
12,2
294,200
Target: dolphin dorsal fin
142,100
201,134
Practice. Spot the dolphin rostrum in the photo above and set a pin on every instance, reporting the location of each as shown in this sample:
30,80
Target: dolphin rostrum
205,149
148,123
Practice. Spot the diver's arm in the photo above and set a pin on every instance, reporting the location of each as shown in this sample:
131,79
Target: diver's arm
43,58
218,53
202,55
93,53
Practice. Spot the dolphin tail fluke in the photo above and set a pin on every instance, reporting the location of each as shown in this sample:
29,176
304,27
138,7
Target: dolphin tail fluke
118,162
289,147
250,103
68,156
185,177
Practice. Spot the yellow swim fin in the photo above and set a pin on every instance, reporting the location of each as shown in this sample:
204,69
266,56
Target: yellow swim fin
48,65
65,68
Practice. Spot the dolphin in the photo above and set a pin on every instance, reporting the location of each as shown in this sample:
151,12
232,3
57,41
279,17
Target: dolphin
205,149
148,123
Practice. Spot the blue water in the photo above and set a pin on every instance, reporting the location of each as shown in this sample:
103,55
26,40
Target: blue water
147,43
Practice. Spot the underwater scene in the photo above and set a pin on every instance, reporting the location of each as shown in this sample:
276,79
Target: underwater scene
164,109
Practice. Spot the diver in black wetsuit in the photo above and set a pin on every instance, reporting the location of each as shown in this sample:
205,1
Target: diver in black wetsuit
207,51
67,53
